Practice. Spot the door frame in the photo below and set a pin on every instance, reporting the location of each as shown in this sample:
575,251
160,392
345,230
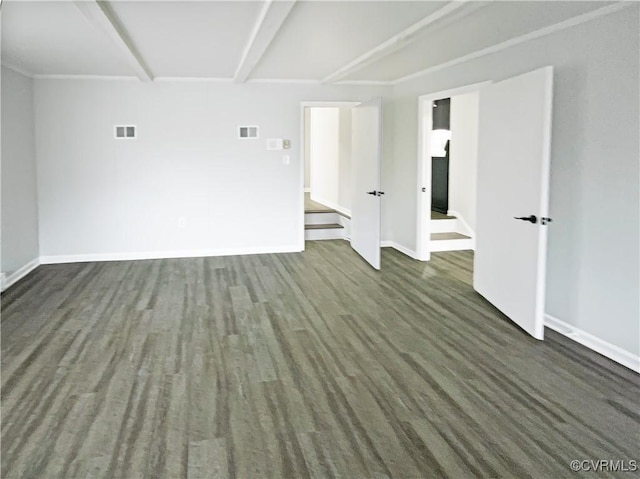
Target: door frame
423,200
303,105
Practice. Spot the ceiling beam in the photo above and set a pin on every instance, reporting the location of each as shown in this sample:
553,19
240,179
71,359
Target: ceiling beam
268,24
398,41
542,32
105,21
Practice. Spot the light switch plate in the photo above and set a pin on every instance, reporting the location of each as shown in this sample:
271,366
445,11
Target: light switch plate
274,144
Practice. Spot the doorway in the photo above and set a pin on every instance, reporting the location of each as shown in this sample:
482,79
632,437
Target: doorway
512,148
360,175
440,143
326,171
447,161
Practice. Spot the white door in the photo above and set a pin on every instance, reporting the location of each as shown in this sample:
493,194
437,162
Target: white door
366,160
514,143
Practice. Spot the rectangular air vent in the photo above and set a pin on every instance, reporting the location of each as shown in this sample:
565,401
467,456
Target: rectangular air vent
125,131
247,132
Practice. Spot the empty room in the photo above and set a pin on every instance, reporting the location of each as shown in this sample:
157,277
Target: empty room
307,238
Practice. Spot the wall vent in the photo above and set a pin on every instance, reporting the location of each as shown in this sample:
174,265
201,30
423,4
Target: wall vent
125,131
247,132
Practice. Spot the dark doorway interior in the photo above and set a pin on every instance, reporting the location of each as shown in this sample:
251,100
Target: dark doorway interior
440,164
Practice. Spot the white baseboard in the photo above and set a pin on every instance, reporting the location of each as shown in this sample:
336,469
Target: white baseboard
437,246
333,205
399,247
87,258
19,274
609,350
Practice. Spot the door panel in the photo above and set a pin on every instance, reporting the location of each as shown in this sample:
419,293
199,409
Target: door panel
440,184
513,177
366,160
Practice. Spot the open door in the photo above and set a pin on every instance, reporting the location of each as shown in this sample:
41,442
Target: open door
514,144
366,161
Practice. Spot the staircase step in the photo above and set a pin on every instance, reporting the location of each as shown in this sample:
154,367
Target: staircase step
444,226
315,211
440,216
323,218
447,236
450,242
323,226
319,210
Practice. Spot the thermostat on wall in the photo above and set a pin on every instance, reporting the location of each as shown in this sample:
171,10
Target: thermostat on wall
275,144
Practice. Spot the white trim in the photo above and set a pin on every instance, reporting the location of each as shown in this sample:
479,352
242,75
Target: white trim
19,274
55,76
135,256
193,79
395,43
329,104
284,80
270,20
399,247
572,22
17,69
423,200
365,82
324,234
594,343
307,190
459,244
102,20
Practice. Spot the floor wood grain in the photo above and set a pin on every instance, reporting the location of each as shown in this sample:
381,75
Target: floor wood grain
294,366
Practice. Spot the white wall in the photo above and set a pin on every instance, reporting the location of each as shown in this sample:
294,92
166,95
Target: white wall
593,280
101,196
344,159
19,193
324,152
330,156
307,148
463,156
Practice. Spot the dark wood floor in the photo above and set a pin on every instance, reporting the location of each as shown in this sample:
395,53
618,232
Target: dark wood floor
294,365
440,216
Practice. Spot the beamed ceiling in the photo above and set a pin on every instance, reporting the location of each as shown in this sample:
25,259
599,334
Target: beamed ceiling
312,41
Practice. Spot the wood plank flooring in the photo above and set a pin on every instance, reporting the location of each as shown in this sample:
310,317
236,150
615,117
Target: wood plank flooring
435,215
294,366
447,236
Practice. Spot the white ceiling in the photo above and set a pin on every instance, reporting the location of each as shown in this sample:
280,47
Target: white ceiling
303,40
320,37
490,25
54,37
188,39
